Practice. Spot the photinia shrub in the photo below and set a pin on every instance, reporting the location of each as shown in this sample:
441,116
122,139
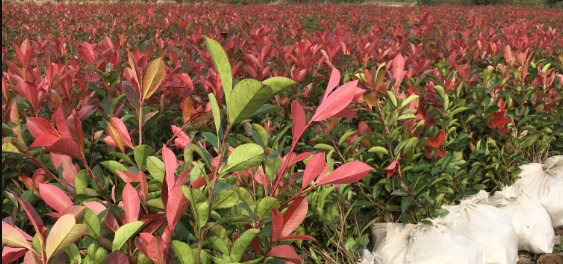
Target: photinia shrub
130,135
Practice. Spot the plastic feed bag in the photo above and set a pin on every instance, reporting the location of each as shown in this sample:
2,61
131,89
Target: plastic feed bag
485,224
530,219
423,244
544,188
554,166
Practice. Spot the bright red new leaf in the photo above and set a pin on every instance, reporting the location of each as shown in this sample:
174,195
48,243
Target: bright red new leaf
348,173
177,204
299,119
437,141
313,169
170,163
54,197
287,253
294,215
336,101
131,204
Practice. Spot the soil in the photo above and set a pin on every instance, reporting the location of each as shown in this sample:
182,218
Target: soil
555,258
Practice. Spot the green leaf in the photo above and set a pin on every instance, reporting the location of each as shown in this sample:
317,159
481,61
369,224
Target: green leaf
96,255
457,111
73,254
440,90
232,219
7,146
142,152
261,133
183,251
240,245
142,259
216,112
221,62
202,153
409,100
199,204
265,205
81,181
324,147
272,166
244,157
188,156
63,234
344,137
156,168
219,244
278,84
266,108
246,98
392,98
124,233
122,156
92,223
212,138
226,198
153,77
113,166
440,212
380,151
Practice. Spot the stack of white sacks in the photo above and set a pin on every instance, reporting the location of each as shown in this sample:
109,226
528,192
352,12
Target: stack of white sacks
483,229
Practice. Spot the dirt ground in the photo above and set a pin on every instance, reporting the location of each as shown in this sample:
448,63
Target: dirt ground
555,258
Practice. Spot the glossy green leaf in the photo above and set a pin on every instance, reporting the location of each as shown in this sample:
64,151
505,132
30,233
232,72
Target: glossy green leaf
199,204
156,168
142,152
246,98
216,112
124,233
183,251
278,84
244,157
240,245
221,62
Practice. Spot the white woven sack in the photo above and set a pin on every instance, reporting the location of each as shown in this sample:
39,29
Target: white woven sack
423,244
485,224
554,166
530,219
544,188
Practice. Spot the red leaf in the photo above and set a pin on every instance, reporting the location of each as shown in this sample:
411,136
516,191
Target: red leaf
123,132
346,113
294,215
398,69
54,197
437,141
287,253
170,166
299,119
117,257
32,214
156,250
441,153
60,121
313,169
87,53
176,206
30,258
131,204
336,101
12,254
201,181
38,126
127,176
332,82
144,187
75,128
348,173
391,169
141,245
69,168
277,224
45,140
66,146
297,237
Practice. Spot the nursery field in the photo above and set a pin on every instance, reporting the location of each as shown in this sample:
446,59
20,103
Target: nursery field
210,133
